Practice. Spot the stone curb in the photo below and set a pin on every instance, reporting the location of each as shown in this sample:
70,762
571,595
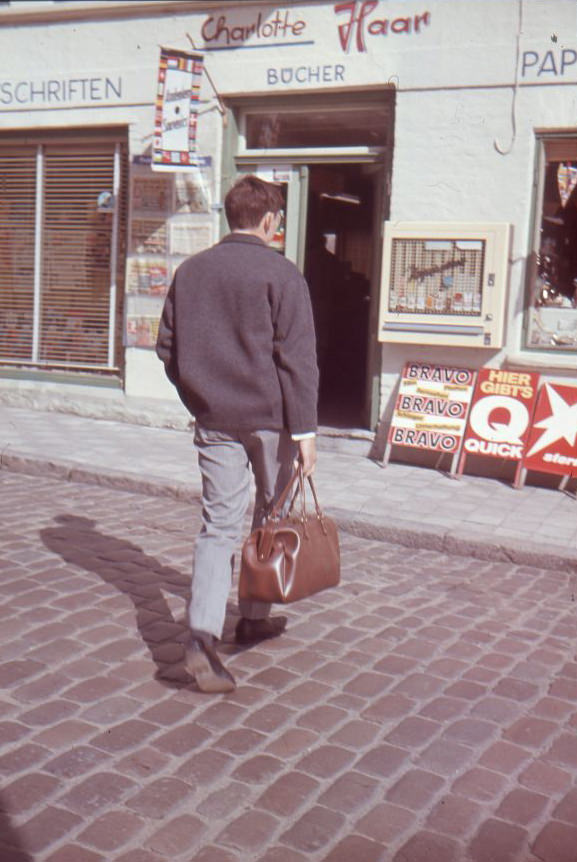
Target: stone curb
152,415
106,477
460,542
480,545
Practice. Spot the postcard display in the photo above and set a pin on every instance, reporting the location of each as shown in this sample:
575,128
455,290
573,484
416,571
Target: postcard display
492,413
444,283
170,219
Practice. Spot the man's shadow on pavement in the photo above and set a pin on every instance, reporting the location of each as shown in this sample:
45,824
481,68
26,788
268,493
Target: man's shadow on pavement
11,847
141,577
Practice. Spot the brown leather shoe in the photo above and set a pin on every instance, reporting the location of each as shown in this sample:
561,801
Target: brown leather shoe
202,662
252,631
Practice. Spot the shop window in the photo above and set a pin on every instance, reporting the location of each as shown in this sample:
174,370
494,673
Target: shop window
552,314
363,127
62,215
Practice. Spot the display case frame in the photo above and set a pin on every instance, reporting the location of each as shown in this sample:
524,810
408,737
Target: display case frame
444,283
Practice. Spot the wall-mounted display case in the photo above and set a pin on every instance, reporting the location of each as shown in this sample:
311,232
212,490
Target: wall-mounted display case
444,283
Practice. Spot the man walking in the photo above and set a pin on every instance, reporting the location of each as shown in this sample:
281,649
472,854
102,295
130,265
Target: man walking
237,341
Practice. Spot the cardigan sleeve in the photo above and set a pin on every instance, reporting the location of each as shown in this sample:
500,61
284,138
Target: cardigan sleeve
166,340
295,355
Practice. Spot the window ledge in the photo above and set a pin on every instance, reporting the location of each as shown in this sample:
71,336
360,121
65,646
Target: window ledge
542,361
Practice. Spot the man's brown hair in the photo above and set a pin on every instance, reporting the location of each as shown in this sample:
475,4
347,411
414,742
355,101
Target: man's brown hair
249,199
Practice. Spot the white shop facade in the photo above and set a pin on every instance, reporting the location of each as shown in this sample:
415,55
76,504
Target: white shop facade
427,152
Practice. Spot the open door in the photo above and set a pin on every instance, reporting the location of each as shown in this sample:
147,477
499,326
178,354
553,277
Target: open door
330,230
338,266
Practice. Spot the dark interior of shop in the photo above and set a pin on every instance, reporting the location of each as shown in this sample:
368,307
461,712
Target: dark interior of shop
338,265
558,252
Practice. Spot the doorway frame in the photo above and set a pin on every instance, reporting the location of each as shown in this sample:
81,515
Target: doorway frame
236,157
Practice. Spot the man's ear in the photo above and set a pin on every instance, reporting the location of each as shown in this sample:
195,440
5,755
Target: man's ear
267,222
268,226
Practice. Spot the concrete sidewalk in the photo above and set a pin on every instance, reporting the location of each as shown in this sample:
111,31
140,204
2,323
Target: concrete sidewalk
406,504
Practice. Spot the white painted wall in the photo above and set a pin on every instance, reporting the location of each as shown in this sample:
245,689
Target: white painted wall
145,377
457,102
460,156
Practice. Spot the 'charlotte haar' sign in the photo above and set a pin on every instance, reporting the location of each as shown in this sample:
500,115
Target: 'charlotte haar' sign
356,22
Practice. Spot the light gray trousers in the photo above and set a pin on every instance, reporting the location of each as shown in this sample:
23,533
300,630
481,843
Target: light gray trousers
225,460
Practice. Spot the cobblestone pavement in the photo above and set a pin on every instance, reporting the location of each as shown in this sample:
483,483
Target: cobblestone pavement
425,711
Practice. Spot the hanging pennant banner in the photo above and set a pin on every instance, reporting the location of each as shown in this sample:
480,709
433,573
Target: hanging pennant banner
431,408
501,413
566,181
179,76
552,445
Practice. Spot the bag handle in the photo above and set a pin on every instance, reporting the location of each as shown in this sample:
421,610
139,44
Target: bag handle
318,509
265,535
278,506
298,479
315,498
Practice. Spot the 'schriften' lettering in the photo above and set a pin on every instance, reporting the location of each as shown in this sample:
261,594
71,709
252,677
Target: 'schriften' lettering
55,91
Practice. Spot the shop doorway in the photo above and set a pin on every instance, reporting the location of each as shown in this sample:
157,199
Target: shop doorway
331,153
331,230
338,264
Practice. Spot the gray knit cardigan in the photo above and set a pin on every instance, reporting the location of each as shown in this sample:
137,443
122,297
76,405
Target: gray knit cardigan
237,339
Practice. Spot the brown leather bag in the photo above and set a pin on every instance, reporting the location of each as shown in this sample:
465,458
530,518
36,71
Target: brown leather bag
291,557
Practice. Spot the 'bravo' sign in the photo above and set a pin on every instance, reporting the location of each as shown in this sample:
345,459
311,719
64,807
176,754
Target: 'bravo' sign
431,408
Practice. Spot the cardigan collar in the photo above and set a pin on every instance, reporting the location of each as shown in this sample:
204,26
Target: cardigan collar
244,238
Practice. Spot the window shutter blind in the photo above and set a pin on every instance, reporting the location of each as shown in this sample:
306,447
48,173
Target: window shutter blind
17,215
56,238
76,255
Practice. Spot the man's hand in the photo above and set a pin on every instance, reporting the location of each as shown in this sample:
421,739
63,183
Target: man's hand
308,454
